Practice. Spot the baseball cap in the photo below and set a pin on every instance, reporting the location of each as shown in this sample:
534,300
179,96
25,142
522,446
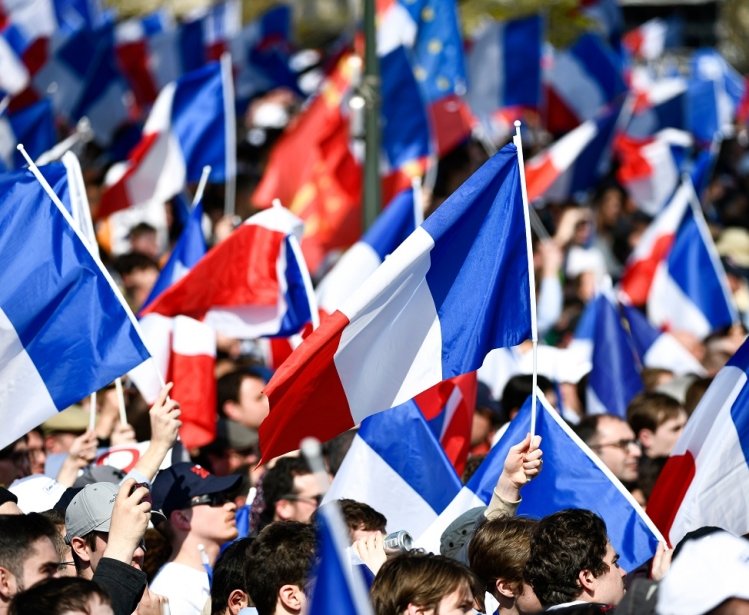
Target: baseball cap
457,535
37,493
175,486
707,572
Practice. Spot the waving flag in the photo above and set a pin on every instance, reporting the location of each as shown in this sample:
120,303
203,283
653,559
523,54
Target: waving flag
250,285
14,76
431,311
407,478
399,219
188,128
65,329
573,477
647,41
33,126
706,478
575,162
338,587
675,271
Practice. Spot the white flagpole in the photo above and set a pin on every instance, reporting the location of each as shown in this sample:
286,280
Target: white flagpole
201,185
531,273
418,200
230,190
92,412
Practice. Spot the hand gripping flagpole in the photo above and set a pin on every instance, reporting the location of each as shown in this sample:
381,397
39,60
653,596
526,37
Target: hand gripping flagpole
531,272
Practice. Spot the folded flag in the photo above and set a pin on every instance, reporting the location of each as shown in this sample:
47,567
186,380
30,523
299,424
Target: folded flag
187,129
33,126
573,477
407,478
674,270
397,221
431,311
250,285
706,479
338,587
65,329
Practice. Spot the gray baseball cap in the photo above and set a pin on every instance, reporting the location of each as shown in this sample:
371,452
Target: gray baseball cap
91,510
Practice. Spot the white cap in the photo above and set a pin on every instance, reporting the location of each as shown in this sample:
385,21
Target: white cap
707,572
36,493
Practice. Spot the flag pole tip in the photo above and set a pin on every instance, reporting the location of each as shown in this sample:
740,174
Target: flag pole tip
517,123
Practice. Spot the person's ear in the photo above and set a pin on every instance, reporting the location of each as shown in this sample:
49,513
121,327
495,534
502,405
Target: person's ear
506,588
237,601
587,580
8,584
181,519
291,597
80,548
645,436
284,509
232,411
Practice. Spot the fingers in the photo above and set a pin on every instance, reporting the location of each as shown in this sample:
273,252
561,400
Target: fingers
163,394
521,446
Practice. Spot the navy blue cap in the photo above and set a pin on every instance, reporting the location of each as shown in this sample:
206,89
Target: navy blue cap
173,487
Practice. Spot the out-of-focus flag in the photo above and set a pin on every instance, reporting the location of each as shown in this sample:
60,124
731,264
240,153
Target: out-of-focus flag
648,40
221,23
14,76
573,477
33,126
659,105
675,271
420,302
65,329
407,477
706,479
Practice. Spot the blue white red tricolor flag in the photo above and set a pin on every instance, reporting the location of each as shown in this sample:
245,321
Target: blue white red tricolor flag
33,126
418,320
710,462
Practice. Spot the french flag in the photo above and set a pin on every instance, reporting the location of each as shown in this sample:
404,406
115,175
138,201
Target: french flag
221,23
504,67
64,328
573,477
407,478
659,349
188,128
33,126
433,310
647,41
650,169
706,479
252,284
396,222
14,77
659,105
586,77
575,162
674,270
338,587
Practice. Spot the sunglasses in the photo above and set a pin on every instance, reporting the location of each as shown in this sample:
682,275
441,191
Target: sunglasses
212,499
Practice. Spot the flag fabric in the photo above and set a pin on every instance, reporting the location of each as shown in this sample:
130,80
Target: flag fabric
338,587
659,105
586,77
33,126
66,331
448,408
249,285
648,40
659,349
190,248
674,270
397,221
504,67
221,23
187,129
14,76
408,478
418,320
650,169
183,351
573,477
575,162
710,462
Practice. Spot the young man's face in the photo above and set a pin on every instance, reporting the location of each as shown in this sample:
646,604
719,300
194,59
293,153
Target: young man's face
215,523
610,585
617,448
457,602
42,563
665,436
253,404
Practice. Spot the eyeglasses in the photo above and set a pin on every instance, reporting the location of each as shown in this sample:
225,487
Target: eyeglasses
212,499
61,565
623,444
295,497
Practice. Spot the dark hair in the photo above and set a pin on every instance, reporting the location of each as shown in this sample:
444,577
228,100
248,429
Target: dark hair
360,516
587,428
56,596
517,390
133,261
17,535
279,481
563,545
499,549
228,386
282,554
421,579
228,574
651,410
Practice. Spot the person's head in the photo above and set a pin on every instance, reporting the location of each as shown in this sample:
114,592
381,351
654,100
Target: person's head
64,552
657,421
614,442
571,559
9,503
27,553
196,503
487,415
361,519
422,583
241,398
144,239
139,273
235,447
497,553
519,388
291,492
278,567
14,462
229,590
63,596
87,521
37,454
63,428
